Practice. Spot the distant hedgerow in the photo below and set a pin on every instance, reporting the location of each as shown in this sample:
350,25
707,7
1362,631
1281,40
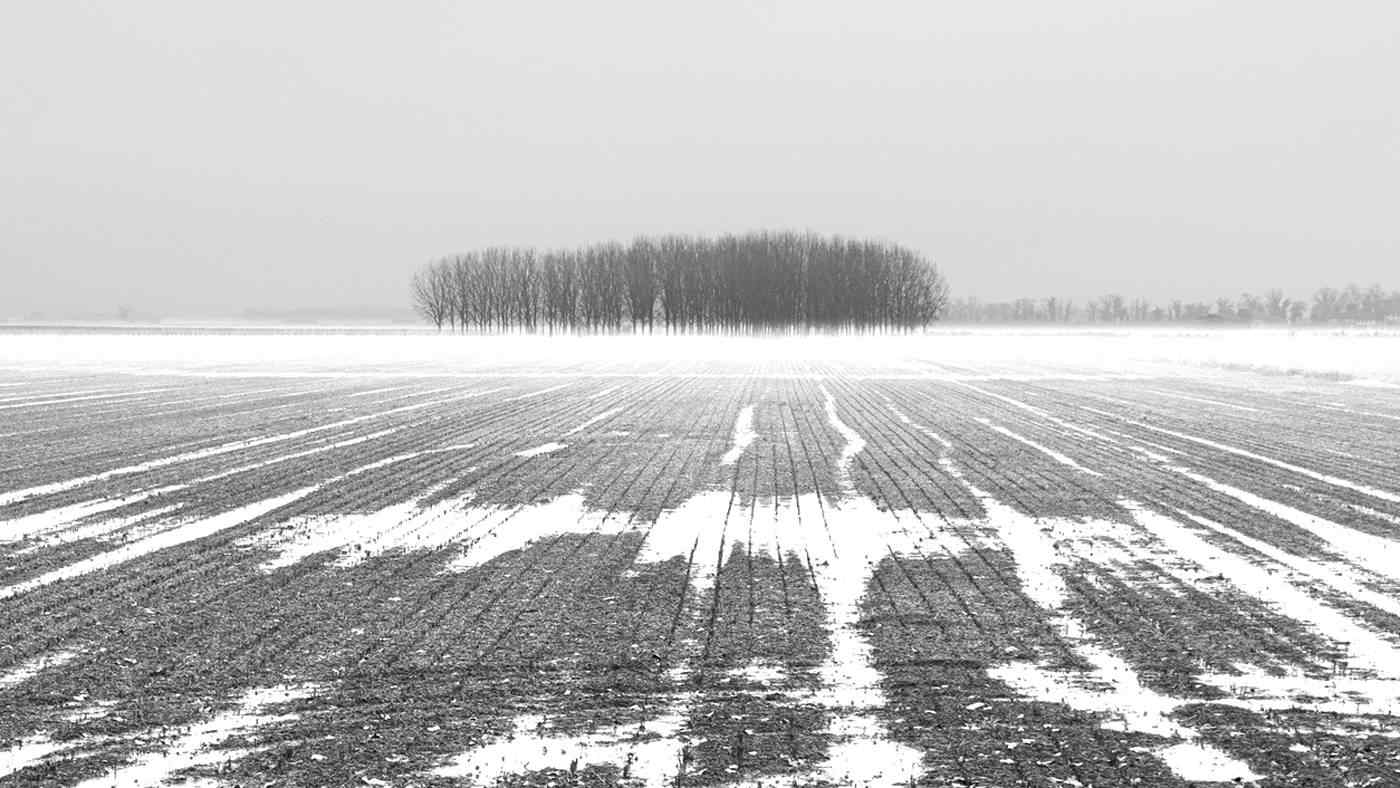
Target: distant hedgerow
758,282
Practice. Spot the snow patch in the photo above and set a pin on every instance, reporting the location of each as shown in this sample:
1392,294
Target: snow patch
648,752
544,448
30,668
198,745
743,436
1047,451
854,445
178,535
607,414
1111,685
1335,481
223,448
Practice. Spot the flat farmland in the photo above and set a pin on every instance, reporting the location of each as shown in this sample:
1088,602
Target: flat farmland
435,561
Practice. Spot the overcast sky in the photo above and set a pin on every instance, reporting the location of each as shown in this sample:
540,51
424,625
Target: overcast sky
185,157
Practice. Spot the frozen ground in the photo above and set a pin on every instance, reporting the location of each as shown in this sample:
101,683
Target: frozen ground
956,559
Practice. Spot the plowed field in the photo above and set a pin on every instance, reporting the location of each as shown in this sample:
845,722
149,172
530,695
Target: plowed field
730,571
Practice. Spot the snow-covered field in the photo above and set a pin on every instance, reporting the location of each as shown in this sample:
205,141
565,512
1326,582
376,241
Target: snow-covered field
990,558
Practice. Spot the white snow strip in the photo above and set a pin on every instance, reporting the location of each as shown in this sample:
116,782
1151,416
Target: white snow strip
1367,649
30,751
861,751
296,455
359,535
224,448
500,530
1384,495
54,519
1116,687
648,752
178,535
44,523
854,445
743,436
481,533
30,668
858,535
198,745
1340,577
1059,422
128,395
95,530
540,392
1260,691
1111,687
543,448
759,671
942,441
1378,554
372,392
113,390
405,526
1047,451
1202,400
603,393
607,414
1379,515
696,531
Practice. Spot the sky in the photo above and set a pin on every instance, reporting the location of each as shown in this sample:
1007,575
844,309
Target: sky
187,159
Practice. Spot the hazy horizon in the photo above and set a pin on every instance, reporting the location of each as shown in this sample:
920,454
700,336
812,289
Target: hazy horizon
183,160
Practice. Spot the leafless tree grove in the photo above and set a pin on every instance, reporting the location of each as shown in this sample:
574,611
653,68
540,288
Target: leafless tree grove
759,282
1351,304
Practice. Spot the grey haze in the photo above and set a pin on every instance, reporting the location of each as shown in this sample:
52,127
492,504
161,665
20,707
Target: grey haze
199,159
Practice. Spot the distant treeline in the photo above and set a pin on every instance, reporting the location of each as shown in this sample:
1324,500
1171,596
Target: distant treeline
776,282
1351,304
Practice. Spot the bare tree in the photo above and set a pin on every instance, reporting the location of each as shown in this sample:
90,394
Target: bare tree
432,298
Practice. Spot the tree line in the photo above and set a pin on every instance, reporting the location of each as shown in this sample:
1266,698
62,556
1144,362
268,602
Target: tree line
756,282
1351,304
